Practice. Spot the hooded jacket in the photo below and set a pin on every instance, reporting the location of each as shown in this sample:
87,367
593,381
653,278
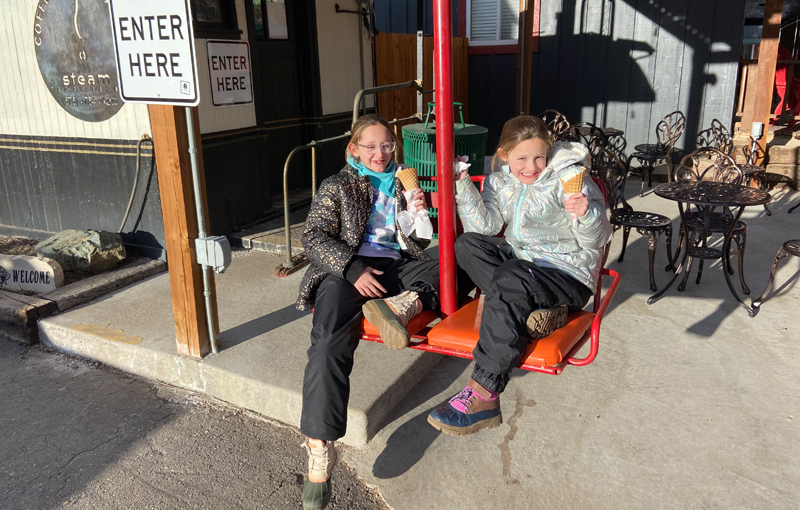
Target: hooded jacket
538,227
335,228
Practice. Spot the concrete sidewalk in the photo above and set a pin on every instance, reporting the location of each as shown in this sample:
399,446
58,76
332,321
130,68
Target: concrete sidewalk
690,402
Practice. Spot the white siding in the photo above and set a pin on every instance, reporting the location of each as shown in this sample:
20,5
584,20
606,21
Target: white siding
28,108
340,76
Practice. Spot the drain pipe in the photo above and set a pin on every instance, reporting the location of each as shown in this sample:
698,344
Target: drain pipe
201,227
145,138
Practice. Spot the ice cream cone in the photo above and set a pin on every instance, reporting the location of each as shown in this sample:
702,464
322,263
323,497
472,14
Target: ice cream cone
571,186
575,183
408,177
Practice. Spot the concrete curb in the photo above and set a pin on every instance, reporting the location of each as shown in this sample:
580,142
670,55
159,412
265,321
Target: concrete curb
220,379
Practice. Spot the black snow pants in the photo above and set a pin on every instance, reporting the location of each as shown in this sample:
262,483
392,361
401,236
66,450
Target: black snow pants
513,288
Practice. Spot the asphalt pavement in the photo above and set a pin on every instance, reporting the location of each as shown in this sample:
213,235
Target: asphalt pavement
79,435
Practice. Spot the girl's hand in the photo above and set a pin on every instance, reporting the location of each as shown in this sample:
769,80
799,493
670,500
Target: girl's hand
367,285
417,202
577,204
465,171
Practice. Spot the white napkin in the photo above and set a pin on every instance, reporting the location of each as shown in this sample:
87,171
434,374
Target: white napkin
460,165
415,220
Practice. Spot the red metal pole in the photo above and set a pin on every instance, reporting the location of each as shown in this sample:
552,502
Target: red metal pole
445,151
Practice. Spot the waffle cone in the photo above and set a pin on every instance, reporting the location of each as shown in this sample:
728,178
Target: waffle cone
408,177
574,184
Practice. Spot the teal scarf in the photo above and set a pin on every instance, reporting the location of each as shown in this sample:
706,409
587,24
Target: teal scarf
384,181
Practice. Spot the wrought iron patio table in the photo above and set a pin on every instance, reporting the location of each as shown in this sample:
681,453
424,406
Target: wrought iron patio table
648,154
706,196
607,131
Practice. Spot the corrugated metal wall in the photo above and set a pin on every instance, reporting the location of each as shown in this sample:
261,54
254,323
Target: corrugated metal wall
619,63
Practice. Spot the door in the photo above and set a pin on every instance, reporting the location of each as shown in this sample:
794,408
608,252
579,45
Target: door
281,59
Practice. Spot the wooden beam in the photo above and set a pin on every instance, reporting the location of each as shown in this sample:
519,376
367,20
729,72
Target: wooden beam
524,40
180,226
765,79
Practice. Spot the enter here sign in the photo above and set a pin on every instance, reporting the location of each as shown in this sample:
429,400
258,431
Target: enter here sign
154,44
229,72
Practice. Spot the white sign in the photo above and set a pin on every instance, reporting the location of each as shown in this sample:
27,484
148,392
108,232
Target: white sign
154,44
229,72
24,272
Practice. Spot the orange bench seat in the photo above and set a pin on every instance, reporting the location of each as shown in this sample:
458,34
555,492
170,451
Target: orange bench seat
460,332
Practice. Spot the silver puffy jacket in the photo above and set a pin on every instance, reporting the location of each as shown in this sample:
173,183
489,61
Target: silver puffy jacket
538,227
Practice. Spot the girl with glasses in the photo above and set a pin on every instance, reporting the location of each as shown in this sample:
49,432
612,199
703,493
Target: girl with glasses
362,263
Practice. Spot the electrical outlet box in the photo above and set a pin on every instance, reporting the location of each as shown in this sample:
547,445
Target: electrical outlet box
213,251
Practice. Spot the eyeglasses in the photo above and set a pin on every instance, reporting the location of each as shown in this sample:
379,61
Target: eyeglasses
384,147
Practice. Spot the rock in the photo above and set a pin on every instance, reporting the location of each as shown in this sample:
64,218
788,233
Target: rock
90,250
23,272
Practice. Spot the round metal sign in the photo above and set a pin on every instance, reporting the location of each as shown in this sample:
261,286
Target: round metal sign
75,51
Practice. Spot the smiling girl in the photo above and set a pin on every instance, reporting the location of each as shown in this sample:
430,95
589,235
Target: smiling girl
545,266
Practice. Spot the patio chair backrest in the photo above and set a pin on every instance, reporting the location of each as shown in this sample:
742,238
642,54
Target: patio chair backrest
717,137
670,128
722,137
557,124
614,172
748,149
705,138
594,140
708,164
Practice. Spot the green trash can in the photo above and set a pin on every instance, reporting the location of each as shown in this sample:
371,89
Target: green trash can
419,146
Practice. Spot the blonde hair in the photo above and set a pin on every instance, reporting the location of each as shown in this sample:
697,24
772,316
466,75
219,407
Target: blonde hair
373,119
519,129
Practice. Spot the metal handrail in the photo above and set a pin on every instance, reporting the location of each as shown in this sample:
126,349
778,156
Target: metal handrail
413,84
313,146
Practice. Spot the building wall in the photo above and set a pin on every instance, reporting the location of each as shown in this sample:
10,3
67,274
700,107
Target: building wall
59,172
338,48
619,63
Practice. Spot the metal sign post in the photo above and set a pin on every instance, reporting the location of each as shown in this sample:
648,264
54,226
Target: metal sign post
156,64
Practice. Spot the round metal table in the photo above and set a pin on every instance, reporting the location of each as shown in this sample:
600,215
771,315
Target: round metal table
648,154
706,196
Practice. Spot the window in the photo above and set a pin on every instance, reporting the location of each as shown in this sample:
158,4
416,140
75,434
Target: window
215,19
274,13
493,25
493,21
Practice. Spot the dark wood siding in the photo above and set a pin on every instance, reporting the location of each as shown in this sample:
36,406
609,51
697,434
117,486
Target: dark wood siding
400,16
52,184
620,63
624,64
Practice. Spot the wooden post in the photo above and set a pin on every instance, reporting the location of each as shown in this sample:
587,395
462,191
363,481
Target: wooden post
524,48
180,226
765,80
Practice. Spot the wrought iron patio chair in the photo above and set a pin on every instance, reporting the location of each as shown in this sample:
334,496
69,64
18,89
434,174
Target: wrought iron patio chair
668,131
557,124
592,137
650,225
755,174
789,248
723,141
